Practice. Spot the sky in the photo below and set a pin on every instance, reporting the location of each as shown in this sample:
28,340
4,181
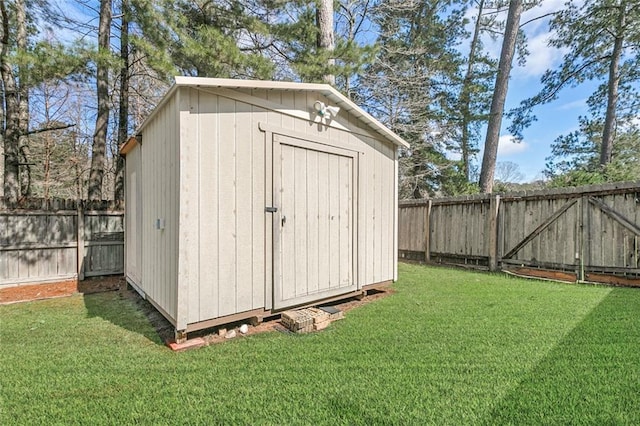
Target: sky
554,119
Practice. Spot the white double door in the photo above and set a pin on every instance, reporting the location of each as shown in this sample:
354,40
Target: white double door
315,191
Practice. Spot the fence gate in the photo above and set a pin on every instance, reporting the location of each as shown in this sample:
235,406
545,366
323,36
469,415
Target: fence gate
590,233
591,237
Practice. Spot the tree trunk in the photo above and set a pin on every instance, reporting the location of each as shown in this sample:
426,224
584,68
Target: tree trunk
499,95
23,94
12,113
608,133
324,21
98,150
2,88
123,113
465,96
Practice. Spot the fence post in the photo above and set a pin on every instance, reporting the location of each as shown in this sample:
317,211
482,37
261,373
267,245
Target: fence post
494,208
427,232
80,235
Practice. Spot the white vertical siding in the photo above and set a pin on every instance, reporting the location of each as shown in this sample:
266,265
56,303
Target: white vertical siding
210,178
231,226
133,216
244,208
159,168
261,225
206,290
189,202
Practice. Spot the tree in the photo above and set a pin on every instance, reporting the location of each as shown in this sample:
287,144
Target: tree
601,39
326,42
123,107
499,96
574,158
11,111
98,149
411,88
23,95
309,42
204,38
474,99
507,176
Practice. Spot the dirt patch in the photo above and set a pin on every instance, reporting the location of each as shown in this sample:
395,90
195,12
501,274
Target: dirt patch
213,336
29,292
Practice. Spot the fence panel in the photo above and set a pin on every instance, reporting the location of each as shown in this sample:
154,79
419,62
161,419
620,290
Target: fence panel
590,233
412,231
458,230
39,241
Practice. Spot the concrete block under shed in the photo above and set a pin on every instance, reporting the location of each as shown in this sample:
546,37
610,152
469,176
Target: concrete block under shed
309,319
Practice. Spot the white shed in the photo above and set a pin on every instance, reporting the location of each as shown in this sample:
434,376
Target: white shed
245,198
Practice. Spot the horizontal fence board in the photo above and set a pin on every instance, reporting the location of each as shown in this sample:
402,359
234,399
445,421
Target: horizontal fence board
39,240
593,229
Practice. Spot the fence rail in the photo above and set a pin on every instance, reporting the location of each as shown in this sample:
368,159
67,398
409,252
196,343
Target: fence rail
56,240
582,234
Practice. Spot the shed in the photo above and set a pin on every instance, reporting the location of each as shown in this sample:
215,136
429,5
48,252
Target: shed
246,198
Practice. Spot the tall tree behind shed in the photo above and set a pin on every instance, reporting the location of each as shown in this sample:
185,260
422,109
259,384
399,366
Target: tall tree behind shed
601,40
123,109
98,150
11,110
326,37
499,96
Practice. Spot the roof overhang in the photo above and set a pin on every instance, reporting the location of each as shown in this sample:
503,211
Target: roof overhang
129,145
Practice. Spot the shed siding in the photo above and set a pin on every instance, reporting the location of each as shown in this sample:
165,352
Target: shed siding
210,179
133,201
231,223
159,183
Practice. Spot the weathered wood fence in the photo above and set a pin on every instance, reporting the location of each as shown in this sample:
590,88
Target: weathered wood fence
56,240
580,234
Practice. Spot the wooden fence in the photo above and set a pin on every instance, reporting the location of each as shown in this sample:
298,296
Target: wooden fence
580,234
56,240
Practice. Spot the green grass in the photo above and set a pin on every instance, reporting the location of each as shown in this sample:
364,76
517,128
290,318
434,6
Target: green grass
449,347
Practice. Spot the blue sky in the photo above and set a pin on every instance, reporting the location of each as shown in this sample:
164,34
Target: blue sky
554,119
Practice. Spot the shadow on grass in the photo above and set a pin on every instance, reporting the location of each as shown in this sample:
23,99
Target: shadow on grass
592,376
126,309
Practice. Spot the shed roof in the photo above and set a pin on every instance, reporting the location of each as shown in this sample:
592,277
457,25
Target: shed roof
324,89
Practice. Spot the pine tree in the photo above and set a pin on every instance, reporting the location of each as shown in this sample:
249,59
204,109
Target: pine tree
601,39
499,96
11,129
410,88
98,150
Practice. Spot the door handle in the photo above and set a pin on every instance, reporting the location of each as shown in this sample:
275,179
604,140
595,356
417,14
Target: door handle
284,220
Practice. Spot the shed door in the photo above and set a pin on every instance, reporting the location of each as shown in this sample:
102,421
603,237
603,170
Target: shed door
314,229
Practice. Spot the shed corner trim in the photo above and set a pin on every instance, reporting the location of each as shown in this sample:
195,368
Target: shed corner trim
130,144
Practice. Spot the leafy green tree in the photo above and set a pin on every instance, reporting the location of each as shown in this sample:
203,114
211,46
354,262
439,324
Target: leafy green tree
303,49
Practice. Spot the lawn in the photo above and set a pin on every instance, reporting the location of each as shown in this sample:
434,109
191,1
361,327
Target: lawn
449,347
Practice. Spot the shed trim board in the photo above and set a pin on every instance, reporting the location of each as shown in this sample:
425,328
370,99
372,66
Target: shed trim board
223,163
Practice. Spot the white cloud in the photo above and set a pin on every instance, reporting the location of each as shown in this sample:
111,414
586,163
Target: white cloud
536,28
507,146
578,103
541,56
